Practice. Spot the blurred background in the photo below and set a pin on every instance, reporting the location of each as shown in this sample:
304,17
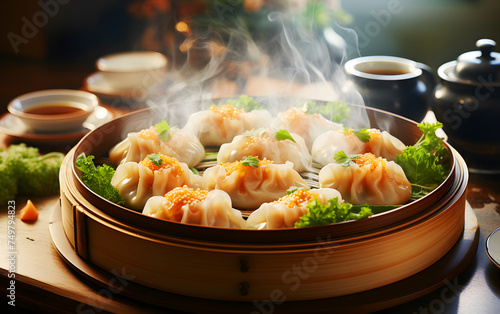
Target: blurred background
54,43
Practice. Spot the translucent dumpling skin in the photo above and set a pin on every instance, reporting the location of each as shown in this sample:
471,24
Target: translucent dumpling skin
286,211
137,182
219,125
250,186
330,143
184,146
370,180
263,143
308,126
380,143
199,207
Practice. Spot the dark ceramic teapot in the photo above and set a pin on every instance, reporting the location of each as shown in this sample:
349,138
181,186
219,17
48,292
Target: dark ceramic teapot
467,102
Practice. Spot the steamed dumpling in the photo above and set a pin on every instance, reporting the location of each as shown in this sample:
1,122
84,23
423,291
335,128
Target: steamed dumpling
308,126
328,144
250,185
219,125
263,143
184,146
381,144
286,211
198,207
368,180
155,175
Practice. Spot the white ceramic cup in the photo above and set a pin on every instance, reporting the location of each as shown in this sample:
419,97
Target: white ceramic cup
138,70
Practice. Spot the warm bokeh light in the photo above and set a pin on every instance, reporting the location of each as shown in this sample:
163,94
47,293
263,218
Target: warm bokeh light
182,27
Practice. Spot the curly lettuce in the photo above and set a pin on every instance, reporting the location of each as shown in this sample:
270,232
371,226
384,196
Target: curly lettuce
98,178
427,163
319,214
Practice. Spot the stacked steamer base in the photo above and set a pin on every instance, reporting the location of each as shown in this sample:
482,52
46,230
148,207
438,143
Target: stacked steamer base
256,265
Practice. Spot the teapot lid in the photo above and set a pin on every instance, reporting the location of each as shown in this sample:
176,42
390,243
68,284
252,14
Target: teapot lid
481,66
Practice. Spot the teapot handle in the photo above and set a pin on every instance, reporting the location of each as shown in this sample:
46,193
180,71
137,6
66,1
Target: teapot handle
429,75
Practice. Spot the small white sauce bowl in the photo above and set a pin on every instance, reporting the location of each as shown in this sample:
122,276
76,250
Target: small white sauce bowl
84,102
133,70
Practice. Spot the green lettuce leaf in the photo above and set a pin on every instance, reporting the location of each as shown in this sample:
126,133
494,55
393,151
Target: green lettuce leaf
98,179
426,164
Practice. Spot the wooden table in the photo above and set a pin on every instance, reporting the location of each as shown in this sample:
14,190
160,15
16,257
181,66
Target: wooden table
44,282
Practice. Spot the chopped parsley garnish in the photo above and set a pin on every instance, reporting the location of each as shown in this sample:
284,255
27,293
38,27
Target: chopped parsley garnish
251,161
344,160
283,134
156,159
362,134
164,131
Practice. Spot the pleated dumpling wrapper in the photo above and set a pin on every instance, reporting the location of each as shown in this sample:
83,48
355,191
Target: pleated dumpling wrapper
182,145
366,179
156,175
308,126
280,147
198,207
251,182
350,141
218,125
287,210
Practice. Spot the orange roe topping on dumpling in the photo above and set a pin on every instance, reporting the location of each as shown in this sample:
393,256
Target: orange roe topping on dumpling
370,160
149,134
227,111
374,133
167,162
258,138
301,197
181,196
238,166
294,114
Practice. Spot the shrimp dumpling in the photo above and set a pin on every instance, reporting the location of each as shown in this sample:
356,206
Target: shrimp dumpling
156,175
252,182
383,144
199,207
308,126
328,144
367,180
184,146
219,125
279,147
286,211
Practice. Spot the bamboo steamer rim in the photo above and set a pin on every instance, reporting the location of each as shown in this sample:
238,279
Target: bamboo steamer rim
99,141
206,244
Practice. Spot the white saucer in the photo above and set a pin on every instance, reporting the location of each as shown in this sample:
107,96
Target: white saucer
493,247
12,126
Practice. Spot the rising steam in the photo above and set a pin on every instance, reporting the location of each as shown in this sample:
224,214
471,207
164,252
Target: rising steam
295,62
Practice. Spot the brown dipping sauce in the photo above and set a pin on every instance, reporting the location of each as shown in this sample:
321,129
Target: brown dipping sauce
385,72
53,109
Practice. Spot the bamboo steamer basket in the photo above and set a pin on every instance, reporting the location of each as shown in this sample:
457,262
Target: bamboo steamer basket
249,265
